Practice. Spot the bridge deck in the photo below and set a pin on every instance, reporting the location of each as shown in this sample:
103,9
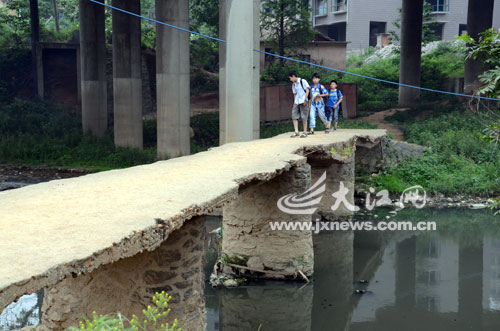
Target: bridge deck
68,226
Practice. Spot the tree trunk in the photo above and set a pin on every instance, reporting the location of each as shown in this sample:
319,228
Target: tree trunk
56,15
281,45
411,51
35,38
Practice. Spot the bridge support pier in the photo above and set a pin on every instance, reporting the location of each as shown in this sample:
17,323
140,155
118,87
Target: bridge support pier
339,168
172,79
239,73
93,64
128,285
249,241
127,85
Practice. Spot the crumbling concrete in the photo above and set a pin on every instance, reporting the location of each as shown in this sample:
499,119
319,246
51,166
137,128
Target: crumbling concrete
74,226
248,239
371,155
128,285
338,166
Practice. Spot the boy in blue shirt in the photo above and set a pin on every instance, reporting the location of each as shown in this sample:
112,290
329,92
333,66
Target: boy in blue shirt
318,91
334,100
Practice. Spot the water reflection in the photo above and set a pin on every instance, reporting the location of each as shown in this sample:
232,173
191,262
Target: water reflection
438,280
443,280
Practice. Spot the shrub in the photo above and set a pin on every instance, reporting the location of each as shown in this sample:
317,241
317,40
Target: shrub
154,319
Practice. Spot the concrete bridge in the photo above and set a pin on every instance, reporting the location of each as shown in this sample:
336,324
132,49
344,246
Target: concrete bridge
108,241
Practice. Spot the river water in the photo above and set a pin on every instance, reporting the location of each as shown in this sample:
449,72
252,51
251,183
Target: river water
448,279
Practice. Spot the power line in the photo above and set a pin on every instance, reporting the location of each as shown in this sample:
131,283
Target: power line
295,60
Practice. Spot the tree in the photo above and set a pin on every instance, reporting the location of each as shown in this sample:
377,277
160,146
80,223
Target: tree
286,26
487,51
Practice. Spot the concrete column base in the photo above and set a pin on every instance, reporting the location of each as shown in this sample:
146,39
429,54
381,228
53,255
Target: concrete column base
249,241
94,110
128,285
339,166
127,98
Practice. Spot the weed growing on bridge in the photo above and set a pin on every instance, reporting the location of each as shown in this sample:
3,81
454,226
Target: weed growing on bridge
154,319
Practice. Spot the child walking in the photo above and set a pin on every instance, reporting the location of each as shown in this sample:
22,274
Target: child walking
300,90
318,91
334,104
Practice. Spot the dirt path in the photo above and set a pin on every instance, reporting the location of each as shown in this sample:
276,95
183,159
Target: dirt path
378,118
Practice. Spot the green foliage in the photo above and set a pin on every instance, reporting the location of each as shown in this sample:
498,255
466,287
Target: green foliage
15,73
154,319
459,160
275,73
38,133
14,24
496,206
204,16
286,26
486,50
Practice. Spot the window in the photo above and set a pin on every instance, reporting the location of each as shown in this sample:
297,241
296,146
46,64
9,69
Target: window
337,31
439,6
321,7
339,5
375,29
461,29
436,30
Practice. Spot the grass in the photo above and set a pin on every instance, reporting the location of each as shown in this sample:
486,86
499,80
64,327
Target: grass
459,162
37,133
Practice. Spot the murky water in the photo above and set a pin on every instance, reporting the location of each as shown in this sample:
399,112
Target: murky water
447,279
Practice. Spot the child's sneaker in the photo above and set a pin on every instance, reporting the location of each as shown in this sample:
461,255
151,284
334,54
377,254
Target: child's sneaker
327,130
310,132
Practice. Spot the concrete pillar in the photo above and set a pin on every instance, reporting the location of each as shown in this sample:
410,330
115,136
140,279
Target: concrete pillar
223,13
479,19
172,79
127,85
273,306
128,285
240,107
93,62
248,239
411,51
339,168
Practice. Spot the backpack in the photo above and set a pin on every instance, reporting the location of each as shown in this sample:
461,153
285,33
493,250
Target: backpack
340,104
338,97
327,109
302,85
309,97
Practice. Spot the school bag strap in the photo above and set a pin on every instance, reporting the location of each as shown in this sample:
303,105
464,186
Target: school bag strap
309,96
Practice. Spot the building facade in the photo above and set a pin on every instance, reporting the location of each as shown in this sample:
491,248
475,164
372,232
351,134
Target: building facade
360,21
